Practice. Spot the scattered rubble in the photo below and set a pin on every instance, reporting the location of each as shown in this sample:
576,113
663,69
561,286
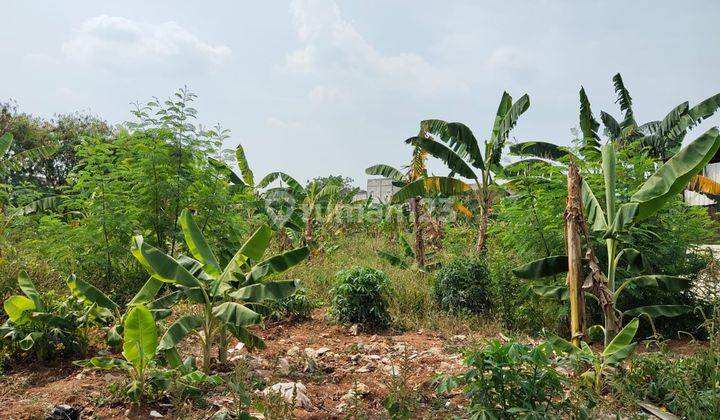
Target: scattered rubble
292,392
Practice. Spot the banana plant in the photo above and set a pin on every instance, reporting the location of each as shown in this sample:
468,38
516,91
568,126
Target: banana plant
660,138
16,161
37,325
616,218
620,348
463,157
309,201
415,184
229,296
407,260
140,346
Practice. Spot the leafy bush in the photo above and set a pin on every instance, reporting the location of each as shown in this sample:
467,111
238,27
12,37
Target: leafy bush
463,285
512,380
514,302
45,325
294,307
686,386
361,297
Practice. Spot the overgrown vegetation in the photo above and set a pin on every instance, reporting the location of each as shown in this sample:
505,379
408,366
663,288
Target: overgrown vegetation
361,297
83,202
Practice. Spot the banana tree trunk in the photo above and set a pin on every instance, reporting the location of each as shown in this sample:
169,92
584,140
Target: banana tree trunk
573,244
284,241
482,232
308,235
419,244
222,345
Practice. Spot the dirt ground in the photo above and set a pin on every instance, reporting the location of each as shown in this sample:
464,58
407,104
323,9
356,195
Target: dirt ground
330,361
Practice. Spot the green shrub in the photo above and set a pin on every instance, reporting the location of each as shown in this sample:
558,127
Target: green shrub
45,325
361,297
513,380
294,307
514,302
686,386
463,286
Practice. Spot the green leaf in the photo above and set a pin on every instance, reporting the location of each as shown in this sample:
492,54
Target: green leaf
292,184
458,137
705,109
197,244
625,101
148,292
555,292
271,290
540,149
502,131
140,337
16,308
632,258
588,125
235,314
672,177
386,171
407,248
612,126
42,204
6,141
623,339
666,283
440,151
280,263
224,169
621,354
392,259
179,330
114,337
563,345
17,161
29,341
105,363
593,211
164,302
430,186
89,293
162,266
27,287
669,180
543,267
655,311
250,340
609,169
243,165
255,247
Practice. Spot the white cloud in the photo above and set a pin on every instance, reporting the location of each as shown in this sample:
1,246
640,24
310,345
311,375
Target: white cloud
116,40
278,123
333,48
324,94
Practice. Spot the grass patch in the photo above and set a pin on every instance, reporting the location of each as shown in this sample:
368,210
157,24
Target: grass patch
411,302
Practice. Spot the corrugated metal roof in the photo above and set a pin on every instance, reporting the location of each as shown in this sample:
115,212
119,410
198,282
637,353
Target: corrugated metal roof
711,171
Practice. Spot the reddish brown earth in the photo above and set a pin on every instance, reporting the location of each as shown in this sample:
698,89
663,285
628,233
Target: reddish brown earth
348,361
364,361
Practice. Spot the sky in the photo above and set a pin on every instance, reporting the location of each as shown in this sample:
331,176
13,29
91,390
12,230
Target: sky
319,87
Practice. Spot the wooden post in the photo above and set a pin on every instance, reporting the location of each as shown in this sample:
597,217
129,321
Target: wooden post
573,244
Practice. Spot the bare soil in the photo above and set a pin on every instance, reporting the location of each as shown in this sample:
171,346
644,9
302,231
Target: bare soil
337,360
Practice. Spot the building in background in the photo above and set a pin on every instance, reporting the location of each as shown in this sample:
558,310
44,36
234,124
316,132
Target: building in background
712,171
380,190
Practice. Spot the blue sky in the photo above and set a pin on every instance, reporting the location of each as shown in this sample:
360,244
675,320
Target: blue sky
314,87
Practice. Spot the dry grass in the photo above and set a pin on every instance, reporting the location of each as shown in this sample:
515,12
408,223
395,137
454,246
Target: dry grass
411,304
